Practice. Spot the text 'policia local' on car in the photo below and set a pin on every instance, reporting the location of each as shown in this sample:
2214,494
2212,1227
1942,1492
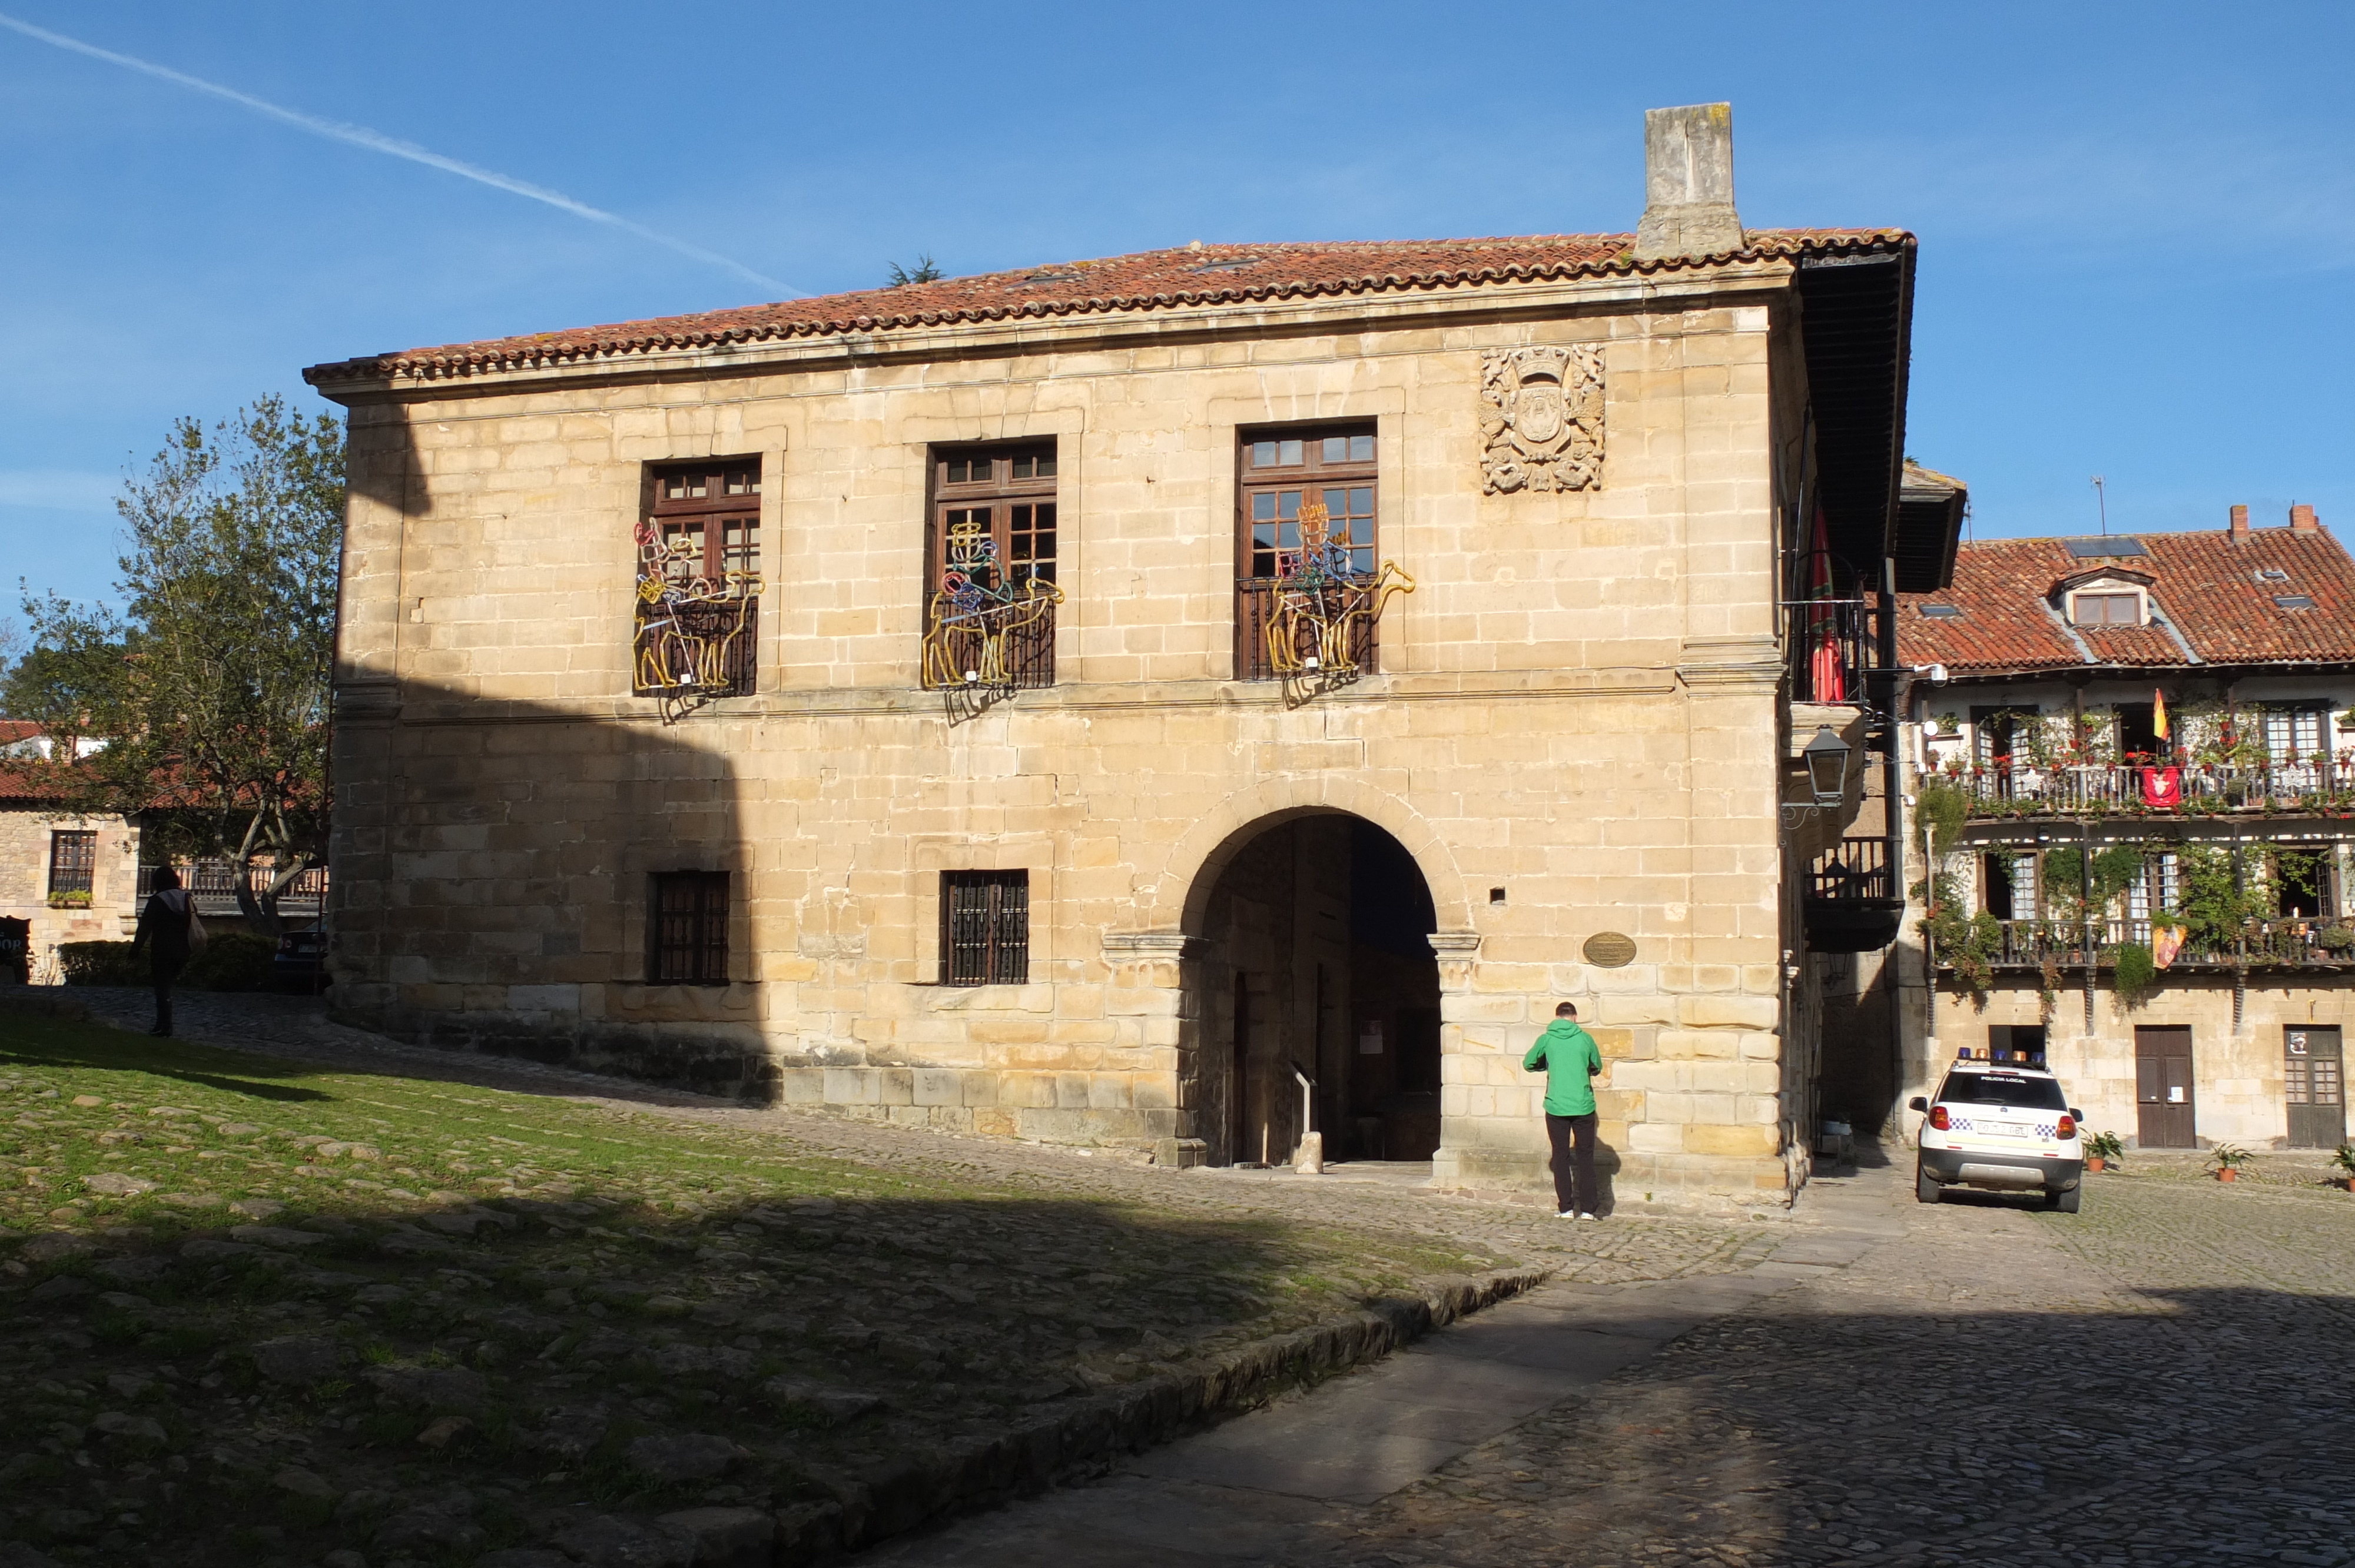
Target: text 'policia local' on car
2004,1127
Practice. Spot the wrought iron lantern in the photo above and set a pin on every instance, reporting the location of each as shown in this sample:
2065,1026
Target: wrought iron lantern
1827,760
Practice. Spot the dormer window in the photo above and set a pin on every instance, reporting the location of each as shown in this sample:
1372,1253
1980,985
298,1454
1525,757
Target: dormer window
2105,607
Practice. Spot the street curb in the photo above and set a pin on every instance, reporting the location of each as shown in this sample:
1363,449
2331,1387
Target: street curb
928,1487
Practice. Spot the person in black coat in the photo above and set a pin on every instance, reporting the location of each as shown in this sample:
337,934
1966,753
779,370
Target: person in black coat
164,931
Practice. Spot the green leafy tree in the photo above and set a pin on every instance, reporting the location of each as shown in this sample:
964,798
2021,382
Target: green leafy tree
209,687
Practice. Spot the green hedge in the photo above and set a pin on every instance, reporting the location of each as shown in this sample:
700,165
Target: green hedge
233,960
101,963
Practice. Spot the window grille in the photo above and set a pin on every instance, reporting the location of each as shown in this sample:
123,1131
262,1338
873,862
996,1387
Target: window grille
697,624
690,944
990,611
73,862
986,927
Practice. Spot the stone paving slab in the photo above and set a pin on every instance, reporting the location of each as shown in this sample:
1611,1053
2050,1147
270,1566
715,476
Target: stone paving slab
1359,1438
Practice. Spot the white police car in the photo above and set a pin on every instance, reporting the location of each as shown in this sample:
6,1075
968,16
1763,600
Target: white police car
2003,1126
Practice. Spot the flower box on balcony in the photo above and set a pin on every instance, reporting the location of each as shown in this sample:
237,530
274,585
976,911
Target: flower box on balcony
70,900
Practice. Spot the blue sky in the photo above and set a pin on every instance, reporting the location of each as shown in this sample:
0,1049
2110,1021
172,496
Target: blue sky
2135,219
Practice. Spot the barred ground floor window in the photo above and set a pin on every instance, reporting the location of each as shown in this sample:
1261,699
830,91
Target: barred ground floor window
984,927
687,936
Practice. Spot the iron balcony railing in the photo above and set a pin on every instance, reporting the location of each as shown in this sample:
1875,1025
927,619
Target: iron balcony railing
707,647
2298,942
2012,787
1831,646
1259,601
212,884
1853,869
1010,646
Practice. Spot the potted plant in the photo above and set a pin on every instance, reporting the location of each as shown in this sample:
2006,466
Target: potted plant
76,899
2344,1158
2227,1158
2101,1149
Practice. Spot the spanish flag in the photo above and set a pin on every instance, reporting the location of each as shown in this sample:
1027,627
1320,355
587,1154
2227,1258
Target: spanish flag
2158,713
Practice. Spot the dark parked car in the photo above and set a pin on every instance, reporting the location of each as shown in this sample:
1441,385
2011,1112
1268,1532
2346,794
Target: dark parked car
301,962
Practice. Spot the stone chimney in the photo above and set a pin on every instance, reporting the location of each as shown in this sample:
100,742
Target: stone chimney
2302,520
1688,184
2240,526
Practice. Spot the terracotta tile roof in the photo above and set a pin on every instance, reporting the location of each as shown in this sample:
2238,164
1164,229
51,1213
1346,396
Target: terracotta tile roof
1149,280
2206,585
19,782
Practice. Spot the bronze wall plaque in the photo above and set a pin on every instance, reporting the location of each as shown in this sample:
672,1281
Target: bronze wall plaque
1610,950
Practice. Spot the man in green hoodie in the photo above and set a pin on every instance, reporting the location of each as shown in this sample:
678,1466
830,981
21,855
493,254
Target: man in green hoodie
1567,1055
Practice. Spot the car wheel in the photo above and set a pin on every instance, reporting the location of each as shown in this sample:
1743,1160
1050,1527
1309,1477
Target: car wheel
1926,1189
2064,1202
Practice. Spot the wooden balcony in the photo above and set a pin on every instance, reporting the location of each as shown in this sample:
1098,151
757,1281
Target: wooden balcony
2323,944
212,887
2011,789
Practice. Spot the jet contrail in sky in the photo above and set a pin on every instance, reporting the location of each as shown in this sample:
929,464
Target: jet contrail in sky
377,142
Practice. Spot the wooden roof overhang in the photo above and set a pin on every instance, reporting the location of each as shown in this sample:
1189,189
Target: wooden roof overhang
1858,335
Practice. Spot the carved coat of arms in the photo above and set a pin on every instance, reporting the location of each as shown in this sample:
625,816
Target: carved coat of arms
1541,419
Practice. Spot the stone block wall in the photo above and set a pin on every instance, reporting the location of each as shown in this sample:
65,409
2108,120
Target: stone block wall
1574,728
25,833
2237,1072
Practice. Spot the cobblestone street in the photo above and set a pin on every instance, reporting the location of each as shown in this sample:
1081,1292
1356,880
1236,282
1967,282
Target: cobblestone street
2161,1380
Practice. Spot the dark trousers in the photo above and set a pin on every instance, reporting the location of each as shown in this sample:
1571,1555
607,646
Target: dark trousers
163,972
1561,1131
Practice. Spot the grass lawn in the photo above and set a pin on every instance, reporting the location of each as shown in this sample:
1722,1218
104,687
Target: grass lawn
258,1311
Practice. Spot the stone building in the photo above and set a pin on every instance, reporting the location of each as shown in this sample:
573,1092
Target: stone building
63,878
2138,754
1148,701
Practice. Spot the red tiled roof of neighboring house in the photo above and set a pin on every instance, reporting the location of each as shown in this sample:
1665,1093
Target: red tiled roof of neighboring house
2207,585
1149,280
16,782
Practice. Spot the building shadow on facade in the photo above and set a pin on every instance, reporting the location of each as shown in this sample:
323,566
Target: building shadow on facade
565,884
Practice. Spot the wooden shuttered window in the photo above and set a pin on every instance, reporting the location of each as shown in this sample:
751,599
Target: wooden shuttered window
687,936
984,927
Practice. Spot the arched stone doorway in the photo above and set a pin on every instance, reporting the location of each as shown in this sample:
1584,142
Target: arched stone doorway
1312,957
